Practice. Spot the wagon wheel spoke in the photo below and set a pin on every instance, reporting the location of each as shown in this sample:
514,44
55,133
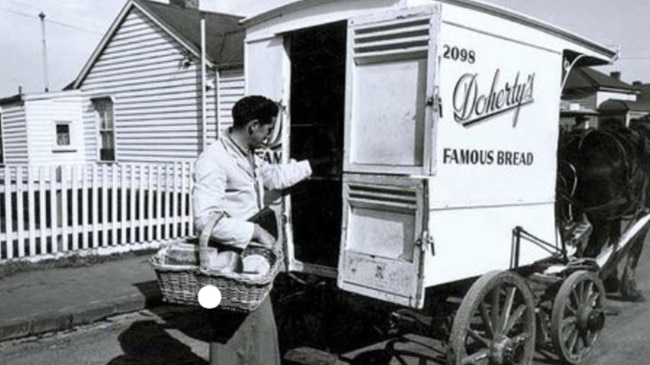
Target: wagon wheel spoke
476,357
581,288
486,319
575,296
516,316
495,307
569,321
572,311
473,334
573,340
507,307
593,299
589,291
584,337
579,344
591,338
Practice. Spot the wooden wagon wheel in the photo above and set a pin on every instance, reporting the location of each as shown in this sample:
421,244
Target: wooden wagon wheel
577,316
495,323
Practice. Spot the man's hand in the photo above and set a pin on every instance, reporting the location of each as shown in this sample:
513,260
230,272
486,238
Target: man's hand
263,237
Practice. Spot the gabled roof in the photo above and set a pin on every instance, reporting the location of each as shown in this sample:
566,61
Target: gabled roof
588,80
644,92
224,36
18,98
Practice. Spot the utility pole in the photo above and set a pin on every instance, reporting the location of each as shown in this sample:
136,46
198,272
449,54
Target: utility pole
47,83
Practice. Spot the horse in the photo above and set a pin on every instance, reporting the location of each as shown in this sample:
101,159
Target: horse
604,175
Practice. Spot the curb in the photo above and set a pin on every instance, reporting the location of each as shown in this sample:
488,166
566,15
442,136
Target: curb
70,317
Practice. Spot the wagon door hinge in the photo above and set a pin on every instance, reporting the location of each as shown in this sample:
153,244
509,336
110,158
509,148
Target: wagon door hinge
435,102
425,241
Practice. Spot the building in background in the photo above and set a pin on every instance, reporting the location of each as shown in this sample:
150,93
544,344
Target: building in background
42,129
142,86
600,98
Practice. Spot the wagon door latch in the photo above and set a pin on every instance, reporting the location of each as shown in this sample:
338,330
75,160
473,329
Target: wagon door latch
425,242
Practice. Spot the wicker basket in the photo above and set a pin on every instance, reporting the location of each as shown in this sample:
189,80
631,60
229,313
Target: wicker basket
180,284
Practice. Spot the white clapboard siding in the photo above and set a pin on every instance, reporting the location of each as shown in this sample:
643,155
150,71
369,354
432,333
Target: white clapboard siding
64,208
156,98
231,89
42,112
14,134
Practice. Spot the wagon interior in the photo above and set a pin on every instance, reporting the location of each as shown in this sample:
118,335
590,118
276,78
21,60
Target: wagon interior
317,113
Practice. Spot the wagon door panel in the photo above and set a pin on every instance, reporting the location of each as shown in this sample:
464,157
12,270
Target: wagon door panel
388,138
390,92
384,220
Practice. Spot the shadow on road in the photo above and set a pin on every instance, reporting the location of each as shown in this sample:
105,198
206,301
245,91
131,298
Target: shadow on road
146,342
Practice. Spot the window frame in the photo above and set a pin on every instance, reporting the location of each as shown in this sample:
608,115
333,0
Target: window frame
110,102
56,147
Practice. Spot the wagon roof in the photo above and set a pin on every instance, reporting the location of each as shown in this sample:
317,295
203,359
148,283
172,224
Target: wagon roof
472,4
224,34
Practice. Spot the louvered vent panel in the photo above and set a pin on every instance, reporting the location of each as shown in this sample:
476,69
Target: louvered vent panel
400,36
392,196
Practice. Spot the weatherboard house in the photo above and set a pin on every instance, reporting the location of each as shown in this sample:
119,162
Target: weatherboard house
41,129
141,97
143,86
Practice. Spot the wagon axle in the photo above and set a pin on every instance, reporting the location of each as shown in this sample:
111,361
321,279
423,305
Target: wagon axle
591,319
508,351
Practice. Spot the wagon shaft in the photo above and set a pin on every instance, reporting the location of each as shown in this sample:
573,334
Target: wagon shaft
610,257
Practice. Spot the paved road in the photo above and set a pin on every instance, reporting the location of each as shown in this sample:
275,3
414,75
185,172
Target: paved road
165,336
144,337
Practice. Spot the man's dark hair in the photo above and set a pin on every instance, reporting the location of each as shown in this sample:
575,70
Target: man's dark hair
253,107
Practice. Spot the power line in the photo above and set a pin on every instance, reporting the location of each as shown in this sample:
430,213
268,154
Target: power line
57,14
72,26
50,21
18,12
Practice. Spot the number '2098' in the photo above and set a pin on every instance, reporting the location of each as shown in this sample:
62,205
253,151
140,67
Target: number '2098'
459,54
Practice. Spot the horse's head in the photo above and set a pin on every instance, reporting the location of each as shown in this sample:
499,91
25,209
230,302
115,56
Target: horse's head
601,162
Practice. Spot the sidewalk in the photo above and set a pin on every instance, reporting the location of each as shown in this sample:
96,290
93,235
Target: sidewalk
36,302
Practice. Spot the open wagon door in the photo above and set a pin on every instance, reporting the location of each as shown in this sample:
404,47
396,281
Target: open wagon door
390,102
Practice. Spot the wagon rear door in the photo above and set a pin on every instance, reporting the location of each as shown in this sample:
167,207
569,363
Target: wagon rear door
390,94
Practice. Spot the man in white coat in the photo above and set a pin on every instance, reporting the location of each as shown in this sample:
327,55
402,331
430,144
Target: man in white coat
230,179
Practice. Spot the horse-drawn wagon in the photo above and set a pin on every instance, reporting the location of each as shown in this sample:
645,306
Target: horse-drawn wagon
440,123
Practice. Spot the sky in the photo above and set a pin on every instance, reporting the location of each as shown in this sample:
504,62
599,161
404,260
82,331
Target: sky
74,28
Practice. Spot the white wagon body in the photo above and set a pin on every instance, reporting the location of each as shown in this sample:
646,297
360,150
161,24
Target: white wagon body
446,117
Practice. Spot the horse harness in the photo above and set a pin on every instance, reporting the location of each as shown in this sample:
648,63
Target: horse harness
636,182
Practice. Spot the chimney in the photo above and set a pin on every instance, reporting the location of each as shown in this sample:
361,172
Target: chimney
637,83
615,74
185,4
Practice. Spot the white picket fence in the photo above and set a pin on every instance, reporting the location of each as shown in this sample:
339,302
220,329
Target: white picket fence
52,209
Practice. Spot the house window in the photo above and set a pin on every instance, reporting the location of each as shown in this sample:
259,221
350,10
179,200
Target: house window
106,126
63,134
